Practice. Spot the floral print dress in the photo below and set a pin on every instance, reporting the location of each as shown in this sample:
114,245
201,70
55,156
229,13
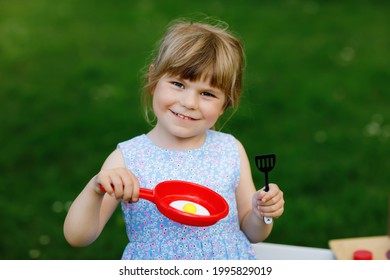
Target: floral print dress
216,165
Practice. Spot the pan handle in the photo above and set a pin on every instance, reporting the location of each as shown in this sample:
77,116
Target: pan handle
146,194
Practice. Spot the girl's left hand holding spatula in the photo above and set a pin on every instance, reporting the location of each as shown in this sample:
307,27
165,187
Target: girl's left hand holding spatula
268,204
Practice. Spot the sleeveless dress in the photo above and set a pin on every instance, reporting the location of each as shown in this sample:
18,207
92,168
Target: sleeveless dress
216,165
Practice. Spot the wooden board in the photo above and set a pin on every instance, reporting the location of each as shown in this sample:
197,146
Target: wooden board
344,248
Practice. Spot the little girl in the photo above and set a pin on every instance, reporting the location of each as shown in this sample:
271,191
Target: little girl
194,77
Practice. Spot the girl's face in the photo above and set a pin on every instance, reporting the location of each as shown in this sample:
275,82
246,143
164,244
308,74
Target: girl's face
185,108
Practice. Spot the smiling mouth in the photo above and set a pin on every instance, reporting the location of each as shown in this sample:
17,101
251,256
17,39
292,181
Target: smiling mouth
183,116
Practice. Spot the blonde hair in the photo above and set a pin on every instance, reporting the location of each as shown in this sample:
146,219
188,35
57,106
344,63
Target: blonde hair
195,51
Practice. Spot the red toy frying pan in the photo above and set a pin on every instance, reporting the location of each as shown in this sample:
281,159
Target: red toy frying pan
169,191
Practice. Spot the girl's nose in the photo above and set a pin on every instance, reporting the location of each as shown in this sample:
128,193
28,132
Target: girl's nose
189,100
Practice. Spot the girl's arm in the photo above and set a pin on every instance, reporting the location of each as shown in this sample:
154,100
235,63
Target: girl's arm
253,206
91,210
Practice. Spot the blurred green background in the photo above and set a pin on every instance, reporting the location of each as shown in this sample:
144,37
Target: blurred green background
316,94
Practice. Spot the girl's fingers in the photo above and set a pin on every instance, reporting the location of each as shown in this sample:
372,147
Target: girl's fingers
271,203
127,188
105,183
136,187
126,185
130,187
117,183
272,196
274,210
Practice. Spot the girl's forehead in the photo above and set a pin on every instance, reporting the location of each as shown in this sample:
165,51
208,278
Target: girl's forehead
208,73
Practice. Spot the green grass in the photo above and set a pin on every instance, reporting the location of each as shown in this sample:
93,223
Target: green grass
316,93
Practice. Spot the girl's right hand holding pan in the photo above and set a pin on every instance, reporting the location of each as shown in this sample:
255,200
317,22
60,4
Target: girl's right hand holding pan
119,183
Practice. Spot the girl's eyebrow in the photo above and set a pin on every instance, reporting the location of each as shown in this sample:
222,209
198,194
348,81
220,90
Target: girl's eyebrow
213,89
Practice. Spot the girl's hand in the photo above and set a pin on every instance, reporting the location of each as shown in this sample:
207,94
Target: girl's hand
268,204
120,183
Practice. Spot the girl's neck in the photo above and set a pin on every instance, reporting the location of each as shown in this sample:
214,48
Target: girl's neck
171,142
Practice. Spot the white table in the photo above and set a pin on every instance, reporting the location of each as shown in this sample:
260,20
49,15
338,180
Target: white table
272,251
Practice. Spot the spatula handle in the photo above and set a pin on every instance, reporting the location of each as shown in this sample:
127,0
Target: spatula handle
266,189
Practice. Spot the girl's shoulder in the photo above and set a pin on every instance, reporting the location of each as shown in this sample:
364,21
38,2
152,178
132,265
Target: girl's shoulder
138,142
136,139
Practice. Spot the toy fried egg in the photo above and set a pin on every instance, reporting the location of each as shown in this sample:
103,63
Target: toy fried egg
190,207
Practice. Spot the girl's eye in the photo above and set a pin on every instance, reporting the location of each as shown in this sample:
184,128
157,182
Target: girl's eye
180,85
208,94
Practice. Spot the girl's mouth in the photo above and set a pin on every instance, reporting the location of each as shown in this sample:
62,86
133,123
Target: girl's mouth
183,116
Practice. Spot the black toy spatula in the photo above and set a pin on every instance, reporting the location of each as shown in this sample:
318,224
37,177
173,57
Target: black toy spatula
265,163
